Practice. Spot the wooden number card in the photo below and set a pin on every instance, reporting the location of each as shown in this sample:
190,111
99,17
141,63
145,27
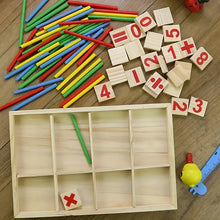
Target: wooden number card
135,76
180,106
197,106
104,91
134,31
201,58
171,52
150,61
171,33
119,36
145,22
187,47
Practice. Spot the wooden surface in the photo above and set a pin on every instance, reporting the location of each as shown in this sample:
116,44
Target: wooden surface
192,133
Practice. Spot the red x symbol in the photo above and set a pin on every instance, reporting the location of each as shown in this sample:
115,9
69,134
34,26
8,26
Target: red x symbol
70,200
187,47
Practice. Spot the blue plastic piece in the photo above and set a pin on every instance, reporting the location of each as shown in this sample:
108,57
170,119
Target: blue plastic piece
24,72
210,165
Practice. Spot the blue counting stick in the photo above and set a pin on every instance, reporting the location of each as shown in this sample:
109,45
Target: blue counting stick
36,96
85,45
58,17
24,72
38,85
97,28
74,18
26,65
34,12
62,54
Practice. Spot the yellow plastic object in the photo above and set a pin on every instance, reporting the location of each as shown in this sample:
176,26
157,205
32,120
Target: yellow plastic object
191,174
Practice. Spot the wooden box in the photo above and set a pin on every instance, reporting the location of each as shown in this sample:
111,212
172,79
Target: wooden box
132,151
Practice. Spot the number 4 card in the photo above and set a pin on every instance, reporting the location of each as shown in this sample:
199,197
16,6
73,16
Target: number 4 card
104,91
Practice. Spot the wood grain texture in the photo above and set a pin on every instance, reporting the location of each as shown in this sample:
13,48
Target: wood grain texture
192,133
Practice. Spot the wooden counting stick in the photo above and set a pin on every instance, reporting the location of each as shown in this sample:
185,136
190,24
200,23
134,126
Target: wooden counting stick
135,76
163,16
156,83
134,49
172,90
104,91
162,64
118,55
180,106
187,47
119,36
187,68
177,75
171,33
172,52
197,106
134,32
150,61
201,58
145,22
116,75
153,41
71,200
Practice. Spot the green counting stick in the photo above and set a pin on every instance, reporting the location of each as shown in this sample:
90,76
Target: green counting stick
22,22
81,139
113,18
46,17
46,12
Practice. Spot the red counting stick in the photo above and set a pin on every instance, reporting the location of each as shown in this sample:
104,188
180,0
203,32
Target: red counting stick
89,38
94,5
39,46
53,68
33,92
85,21
21,50
116,11
91,49
74,94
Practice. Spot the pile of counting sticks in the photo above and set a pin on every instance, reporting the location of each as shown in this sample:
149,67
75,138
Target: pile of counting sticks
60,40
71,37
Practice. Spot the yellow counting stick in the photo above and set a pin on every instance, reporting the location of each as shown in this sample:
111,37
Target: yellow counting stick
81,75
114,14
66,67
84,92
66,17
38,54
40,33
90,58
57,52
41,37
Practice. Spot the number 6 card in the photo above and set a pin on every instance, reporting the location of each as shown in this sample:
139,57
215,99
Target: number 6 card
104,91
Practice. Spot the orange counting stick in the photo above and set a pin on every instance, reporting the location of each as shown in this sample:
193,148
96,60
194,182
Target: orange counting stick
85,21
116,11
33,92
38,46
93,5
78,91
91,49
89,38
21,50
